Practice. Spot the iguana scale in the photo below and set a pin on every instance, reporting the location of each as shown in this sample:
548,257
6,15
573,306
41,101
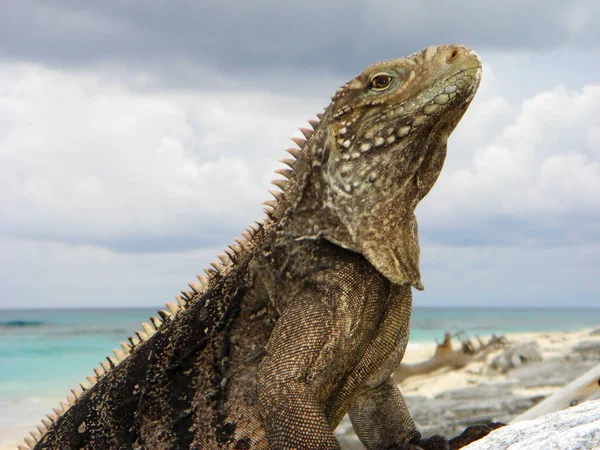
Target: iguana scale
308,314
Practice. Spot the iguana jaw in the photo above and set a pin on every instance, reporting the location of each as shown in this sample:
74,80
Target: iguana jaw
377,153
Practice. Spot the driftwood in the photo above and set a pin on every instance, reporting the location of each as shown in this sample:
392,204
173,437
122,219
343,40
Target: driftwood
574,393
446,357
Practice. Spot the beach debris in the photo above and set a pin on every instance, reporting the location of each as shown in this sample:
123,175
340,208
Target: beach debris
516,355
446,357
588,348
572,394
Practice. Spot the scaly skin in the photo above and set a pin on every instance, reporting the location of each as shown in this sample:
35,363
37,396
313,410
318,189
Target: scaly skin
309,315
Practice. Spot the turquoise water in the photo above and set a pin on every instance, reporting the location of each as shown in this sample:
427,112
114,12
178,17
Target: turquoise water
43,353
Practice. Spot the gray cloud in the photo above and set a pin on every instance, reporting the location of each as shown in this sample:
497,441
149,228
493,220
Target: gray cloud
262,36
85,159
134,134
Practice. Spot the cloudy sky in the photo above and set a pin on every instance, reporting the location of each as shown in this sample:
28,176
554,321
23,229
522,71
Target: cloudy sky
138,138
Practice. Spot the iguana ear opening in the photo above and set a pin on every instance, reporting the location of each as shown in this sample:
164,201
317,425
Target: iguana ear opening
391,244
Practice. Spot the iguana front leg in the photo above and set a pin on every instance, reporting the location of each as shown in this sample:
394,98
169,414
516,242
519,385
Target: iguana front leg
291,375
380,417
342,330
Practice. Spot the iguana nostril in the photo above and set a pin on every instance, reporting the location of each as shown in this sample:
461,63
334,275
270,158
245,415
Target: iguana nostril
453,55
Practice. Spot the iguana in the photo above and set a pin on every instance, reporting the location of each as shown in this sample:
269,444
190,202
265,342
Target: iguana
305,317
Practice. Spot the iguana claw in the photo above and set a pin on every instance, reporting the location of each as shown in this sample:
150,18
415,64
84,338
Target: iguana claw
439,442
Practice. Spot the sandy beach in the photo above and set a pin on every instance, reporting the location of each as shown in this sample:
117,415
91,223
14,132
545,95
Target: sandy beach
448,400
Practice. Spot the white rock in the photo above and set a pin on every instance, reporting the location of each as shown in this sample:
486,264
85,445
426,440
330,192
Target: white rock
576,428
512,357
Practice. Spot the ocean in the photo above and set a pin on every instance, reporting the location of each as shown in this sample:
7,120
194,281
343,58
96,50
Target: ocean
44,353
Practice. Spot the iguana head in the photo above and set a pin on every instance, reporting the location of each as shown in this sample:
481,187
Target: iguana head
378,150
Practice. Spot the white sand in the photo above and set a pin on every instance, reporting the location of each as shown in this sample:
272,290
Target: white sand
552,344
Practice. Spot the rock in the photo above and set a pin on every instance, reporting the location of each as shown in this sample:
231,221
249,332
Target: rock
595,332
588,348
517,355
449,413
571,429
483,391
553,372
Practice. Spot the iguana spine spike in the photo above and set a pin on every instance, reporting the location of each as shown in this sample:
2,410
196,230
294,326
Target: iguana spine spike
288,162
320,115
29,442
230,253
270,203
294,152
22,447
217,265
126,347
281,184
70,399
306,132
148,329
164,315
172,307
76,392
142,335
52,417
224,259
299,141
134,341
64,406
42,429
313,123
196,287
275,194
47,423
203,280
285,172
119,354
57,411
112,361
180,301
156,322
92,379
237,248
35,435
105,366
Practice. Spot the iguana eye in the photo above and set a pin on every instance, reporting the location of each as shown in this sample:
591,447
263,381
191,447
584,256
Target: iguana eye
380,81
